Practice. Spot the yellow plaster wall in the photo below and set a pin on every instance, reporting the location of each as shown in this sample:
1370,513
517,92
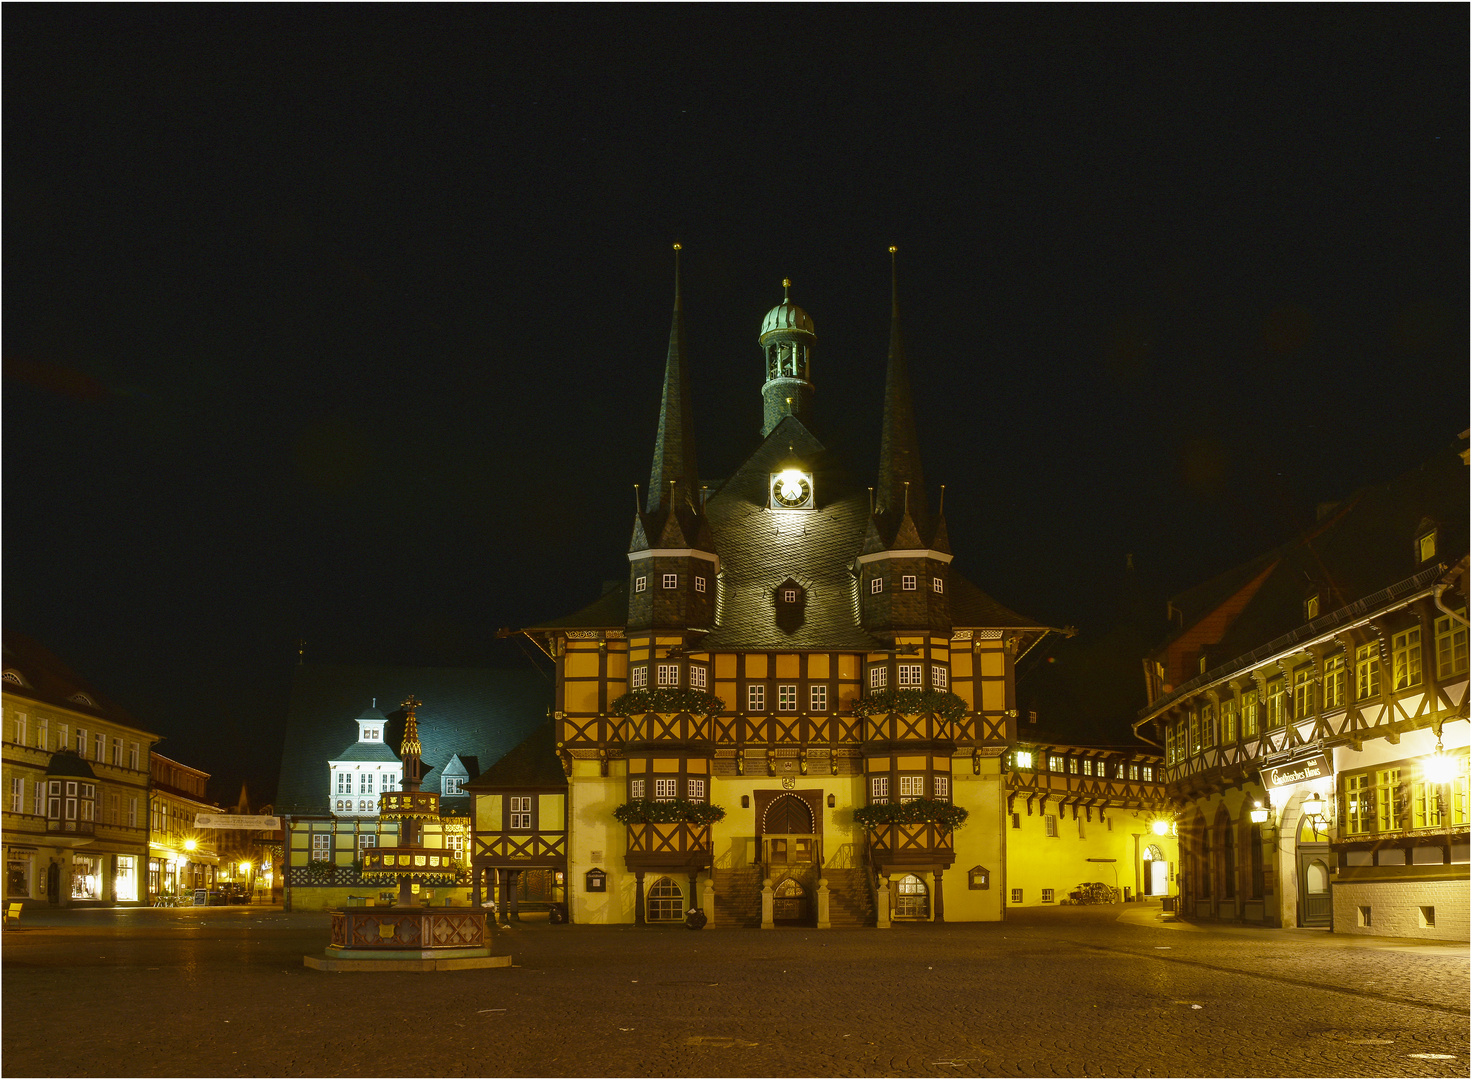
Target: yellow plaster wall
734,838
591,827
1036,861
978,842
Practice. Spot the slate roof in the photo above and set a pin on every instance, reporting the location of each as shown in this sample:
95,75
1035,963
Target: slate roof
533,764
366,751
52,682
609,611
973,609
759,550
1365,547
479,712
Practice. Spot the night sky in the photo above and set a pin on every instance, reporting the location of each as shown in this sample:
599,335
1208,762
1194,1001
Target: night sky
347,324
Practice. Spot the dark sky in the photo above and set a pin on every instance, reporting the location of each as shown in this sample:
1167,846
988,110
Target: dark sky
346,324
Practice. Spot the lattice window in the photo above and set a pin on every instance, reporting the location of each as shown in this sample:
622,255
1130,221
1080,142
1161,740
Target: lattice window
519,816
787,697
671,581
876,585
878,677
666,901
698,675
668,674
641,583
1405,655
940,678
321,846
666,789
907,582
636,788
1451,645
912,786
879,789
756,698
942,786
1367,672
699,584
639,677
937,584
696,788
911,675
818,697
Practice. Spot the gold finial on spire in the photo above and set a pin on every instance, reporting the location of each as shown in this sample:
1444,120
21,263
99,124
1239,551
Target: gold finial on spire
410,746
892,249
786,284
677,247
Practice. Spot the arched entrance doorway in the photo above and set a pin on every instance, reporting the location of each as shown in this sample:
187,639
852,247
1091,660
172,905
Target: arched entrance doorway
1155,872
789,903
1315,904
788,832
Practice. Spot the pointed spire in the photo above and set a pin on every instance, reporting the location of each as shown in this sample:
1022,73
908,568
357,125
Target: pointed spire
410,749
899,447
674,444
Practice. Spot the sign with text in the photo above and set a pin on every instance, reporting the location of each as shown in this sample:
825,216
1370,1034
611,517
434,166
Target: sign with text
236,821
1296,772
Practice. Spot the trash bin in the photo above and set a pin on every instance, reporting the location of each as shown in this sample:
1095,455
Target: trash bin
1168,904
695,918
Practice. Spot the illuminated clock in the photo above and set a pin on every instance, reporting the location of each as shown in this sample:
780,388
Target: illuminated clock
792,489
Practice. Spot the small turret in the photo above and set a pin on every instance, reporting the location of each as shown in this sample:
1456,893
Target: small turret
787,341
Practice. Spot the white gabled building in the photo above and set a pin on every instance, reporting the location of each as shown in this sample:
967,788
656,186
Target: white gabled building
363,771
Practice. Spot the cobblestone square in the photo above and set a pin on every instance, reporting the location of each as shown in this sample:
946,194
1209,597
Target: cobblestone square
1107,991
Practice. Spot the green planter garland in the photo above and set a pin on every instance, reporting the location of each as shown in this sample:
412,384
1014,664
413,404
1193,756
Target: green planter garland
943,703
666,699
914,812
666,811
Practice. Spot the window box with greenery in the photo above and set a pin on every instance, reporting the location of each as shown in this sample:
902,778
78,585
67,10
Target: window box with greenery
667,811
912,812
666,699
912,702
668,833
919,831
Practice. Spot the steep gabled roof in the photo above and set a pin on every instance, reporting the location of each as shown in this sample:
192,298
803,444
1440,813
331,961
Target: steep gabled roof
759,549
49,680
609,612
973,609
467,711
533,764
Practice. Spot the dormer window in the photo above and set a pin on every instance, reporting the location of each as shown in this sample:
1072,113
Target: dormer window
80,698
453,784
1311,608
789,596
1426,546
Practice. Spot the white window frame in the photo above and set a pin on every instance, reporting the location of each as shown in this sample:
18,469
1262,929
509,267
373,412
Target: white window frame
937,585
321,850
876,585
1405,658
22,732
818,697
670,581
132,811
636,788
878,676
907,582
519,813
1451,645
1050,824
699,677
641,583
912,786
787,697
99,747
17,795
81,743
940,678
366,840
699,583
639,677
453,785
789,596
667,674
695,787
133,756
666,788
910,676
756,697
879,789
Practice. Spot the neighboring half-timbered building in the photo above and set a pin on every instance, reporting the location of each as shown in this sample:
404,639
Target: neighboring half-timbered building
1313,712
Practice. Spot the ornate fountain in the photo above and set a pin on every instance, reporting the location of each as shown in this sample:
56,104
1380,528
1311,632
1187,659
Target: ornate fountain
409,936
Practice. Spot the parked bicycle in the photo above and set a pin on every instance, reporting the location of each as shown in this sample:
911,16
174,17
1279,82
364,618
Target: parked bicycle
1094,892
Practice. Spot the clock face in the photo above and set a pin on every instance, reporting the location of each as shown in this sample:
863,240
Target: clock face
792,490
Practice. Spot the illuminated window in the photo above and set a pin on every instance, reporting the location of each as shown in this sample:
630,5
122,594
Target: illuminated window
1022,759
818,697
907,582
1405,655
1089,767
641,583
1334,682
1249,715
321,846
1194,724
1055,762
700,584
365,841
639,677
1277,704
1208,724
942,786
1073,766
696,788
519,815
665,789
878,677
1229,722
876,585
1367,672
671,581
756,698
879,789
1451,645
636,788
1134,771
1303,693
937,585
1359,804
1149,773
939,677
698,675
668,674
1387,799
910,675
666,902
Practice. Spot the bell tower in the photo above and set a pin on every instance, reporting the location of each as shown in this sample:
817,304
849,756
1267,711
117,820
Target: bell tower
787,341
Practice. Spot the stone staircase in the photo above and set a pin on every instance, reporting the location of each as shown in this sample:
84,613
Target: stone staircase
738,897
849,902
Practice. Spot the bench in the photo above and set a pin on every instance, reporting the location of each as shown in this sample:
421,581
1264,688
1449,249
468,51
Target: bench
12,913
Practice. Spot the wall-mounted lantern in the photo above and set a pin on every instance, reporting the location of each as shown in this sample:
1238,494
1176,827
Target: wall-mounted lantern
832,800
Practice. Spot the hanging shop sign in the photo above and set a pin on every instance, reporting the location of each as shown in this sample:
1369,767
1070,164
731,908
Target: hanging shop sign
1289,773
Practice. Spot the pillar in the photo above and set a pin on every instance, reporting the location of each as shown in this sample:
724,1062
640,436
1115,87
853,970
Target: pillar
940,899
639,898
823,923
475,874
767,923
881,900
708,902
694,880
513,887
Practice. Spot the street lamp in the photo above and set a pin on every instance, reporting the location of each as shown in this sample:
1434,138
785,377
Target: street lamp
1439,767
1160,826
190,845
1260,814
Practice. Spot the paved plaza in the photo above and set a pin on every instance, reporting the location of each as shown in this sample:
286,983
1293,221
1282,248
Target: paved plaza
1108,991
